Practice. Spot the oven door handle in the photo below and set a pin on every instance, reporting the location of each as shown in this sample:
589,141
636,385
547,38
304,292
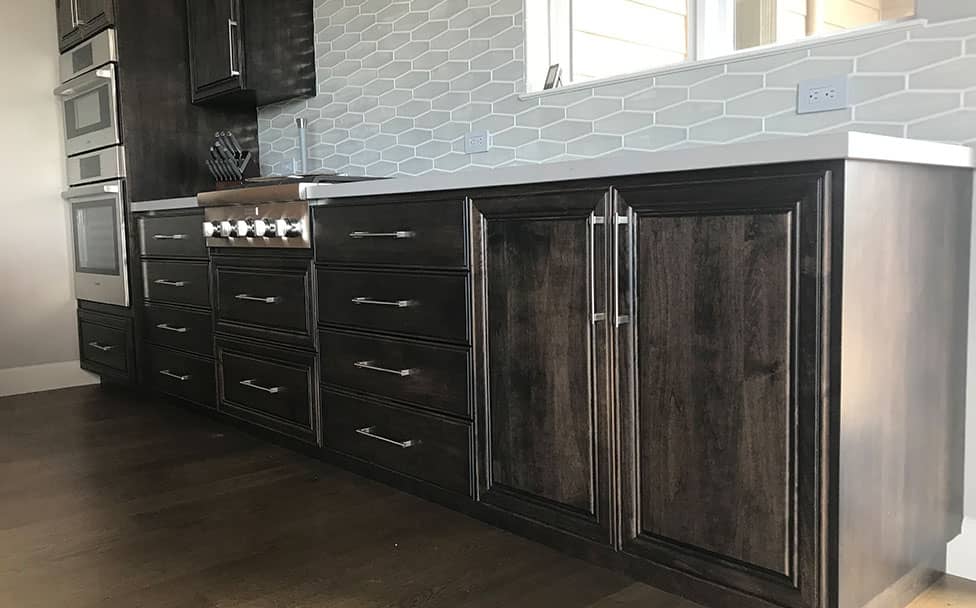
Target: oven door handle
77,192
87,83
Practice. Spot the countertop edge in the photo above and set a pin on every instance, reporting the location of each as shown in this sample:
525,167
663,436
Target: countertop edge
165,204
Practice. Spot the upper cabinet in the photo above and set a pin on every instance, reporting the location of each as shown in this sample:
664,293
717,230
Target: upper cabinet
258,51
79,20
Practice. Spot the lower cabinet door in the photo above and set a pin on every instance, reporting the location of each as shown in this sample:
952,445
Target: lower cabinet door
270,387
719,439
184,376
542,358
429,448
105,345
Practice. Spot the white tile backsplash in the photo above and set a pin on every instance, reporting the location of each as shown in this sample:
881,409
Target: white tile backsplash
401,83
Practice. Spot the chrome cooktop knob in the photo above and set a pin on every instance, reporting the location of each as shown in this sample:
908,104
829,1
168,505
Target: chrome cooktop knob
243,228
211,229
226,229
289,227
264,227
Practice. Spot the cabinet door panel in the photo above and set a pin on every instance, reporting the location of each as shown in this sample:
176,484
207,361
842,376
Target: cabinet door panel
94,15
68,34
544,418
719,458
214,46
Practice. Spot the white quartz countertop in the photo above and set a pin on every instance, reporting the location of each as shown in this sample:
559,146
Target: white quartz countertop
850,145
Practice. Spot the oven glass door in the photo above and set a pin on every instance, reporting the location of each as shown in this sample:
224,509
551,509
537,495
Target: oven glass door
90,117
98,235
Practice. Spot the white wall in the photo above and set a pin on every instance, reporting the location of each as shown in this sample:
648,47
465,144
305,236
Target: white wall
38,335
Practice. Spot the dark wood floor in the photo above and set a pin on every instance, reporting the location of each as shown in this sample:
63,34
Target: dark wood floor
109,500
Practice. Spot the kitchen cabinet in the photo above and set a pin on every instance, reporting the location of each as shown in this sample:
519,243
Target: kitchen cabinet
79,20
250,51
541,271
718,358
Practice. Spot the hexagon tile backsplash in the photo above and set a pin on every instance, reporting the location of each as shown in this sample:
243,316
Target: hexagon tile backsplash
401,82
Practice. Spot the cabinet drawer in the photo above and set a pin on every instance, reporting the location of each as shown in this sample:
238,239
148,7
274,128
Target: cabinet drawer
182,376
172,236
104,346
269,299
431,376
181,329
397,234
270,387
177,282
415,304
422,446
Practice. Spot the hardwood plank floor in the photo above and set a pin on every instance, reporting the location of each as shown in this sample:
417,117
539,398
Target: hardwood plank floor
112,500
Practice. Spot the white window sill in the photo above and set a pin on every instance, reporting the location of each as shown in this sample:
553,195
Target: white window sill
765,51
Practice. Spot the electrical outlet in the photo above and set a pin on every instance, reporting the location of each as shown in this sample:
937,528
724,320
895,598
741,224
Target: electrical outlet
476,142
822,95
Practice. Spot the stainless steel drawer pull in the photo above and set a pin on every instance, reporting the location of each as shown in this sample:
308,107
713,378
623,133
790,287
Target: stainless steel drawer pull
102,347
399,234
274,390
167,327
170,237
397,303
369,365
170,374
268,300
369,432
170,283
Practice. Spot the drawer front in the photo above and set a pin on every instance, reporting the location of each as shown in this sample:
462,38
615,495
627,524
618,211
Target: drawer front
177,283
433,306
182,376
425,447
397,234
178,236
270,299
430,376
274,389
108,346
181,329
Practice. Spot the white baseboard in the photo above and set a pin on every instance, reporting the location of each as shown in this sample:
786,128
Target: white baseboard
46,377
961,559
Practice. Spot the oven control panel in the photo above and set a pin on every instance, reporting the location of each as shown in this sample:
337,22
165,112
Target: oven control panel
282,225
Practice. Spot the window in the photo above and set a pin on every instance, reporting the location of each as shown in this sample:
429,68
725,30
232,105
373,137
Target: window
601,38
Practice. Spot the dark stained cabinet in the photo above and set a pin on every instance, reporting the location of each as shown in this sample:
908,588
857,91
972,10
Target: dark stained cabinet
79,20
252,51
719,440
539,264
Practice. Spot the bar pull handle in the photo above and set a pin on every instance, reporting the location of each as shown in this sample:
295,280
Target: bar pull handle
169,237
249,298
399,234
273,390
175,330
231,38
618,319
102,347
170,374
595,220
169,283
370,431
396,303
369,365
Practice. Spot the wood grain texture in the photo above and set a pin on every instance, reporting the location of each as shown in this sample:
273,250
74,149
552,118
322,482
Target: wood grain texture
902,376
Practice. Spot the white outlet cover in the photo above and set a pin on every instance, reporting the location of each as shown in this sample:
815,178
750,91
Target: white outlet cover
822,95
476,142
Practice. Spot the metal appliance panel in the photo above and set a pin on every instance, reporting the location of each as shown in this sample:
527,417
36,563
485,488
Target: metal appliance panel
98,242
90,110
295,210
108,163
88,55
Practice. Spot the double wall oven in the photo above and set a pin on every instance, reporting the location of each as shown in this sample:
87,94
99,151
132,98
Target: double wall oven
95,169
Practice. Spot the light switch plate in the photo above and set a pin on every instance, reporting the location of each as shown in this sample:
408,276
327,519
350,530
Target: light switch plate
822,95
476,142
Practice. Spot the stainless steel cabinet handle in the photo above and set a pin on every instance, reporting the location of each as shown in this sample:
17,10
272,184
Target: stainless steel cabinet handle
595,316
169,283
76,19
397,303
231,25
619,220
268,300
399,234
369,432
170,374
369,365
170,237
102,347
167,327
274,390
